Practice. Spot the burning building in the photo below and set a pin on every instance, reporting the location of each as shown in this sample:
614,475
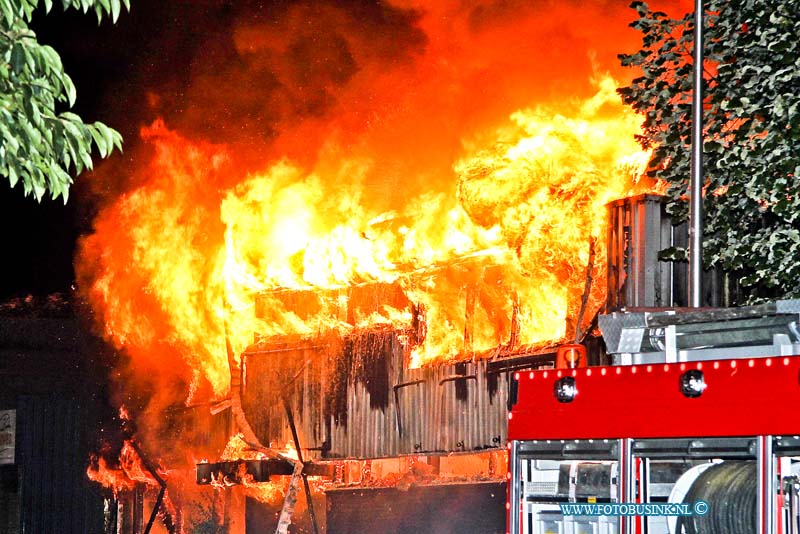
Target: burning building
392,208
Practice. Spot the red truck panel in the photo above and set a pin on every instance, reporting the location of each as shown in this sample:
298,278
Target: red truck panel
759,396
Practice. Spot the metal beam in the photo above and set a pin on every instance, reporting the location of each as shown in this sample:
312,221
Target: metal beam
696,184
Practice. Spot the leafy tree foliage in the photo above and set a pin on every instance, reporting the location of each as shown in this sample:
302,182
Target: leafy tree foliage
39,146
751,126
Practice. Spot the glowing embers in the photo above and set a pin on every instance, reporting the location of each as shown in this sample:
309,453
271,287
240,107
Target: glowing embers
241,471
469,306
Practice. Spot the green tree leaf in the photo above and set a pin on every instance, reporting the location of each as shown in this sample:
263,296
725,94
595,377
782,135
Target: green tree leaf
751,152
39,144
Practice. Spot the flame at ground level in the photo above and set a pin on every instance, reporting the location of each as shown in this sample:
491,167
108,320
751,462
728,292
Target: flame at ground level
129,472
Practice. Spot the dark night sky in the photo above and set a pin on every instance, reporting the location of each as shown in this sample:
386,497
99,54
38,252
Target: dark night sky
39,239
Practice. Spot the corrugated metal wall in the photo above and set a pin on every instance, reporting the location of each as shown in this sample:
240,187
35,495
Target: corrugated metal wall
53,373
355,398
56,495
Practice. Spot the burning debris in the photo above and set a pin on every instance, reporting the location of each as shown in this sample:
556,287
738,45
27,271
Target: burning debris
130,481
130,476
122,477
284,232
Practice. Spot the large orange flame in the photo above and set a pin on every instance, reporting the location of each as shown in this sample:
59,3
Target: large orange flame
513,226
451,157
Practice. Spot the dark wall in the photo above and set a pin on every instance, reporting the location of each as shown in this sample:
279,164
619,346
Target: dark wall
53,449
52,372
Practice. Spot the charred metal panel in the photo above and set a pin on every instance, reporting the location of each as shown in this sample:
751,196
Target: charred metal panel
356,398
477,507
350,388
240,471
295,370
639,228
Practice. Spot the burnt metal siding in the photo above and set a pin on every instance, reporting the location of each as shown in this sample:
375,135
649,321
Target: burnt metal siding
367,404
52,453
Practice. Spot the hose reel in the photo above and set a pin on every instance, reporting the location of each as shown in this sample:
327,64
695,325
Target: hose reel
730,490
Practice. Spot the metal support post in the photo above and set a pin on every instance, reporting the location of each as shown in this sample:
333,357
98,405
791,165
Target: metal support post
765,511
626,487
696,183
514,499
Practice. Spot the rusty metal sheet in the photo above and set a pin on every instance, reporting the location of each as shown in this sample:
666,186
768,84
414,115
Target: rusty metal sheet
356,398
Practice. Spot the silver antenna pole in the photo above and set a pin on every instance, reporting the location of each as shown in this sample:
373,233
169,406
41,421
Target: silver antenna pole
696,185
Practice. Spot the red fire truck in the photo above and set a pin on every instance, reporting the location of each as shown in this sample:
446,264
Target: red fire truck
699,412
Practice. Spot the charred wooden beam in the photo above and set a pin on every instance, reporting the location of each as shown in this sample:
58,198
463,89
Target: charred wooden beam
309,500
240,471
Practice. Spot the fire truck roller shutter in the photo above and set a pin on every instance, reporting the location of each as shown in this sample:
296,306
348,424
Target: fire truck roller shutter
730,490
